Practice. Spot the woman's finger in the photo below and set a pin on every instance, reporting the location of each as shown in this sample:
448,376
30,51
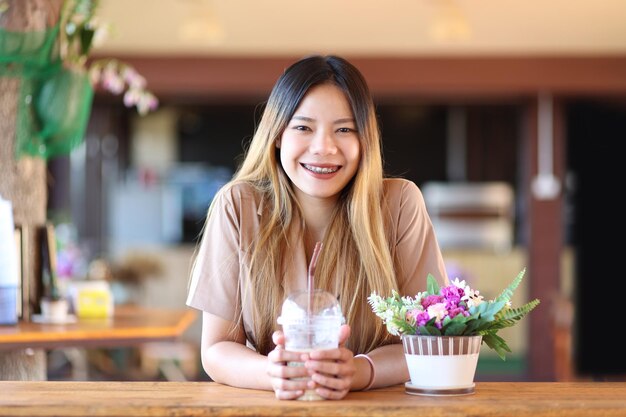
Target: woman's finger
339,354
344,334
288,395
283,356
278,337
330,394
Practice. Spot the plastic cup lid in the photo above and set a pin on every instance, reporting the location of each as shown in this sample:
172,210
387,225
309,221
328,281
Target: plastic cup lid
324,307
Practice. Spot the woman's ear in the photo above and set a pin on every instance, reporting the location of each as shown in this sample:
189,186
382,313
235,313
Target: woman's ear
277,143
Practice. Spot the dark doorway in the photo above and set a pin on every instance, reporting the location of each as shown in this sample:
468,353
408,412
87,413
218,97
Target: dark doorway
596,165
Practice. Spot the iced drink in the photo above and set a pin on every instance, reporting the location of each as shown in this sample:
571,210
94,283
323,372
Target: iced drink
310,323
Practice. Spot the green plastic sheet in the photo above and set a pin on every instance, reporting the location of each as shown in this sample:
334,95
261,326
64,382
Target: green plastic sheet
54,102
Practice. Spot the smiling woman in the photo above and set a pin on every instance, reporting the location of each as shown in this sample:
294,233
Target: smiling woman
313,173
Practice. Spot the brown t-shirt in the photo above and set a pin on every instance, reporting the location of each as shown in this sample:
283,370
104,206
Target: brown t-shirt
222,263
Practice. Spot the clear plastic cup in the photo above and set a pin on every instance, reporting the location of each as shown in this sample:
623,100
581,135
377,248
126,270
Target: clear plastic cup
317,331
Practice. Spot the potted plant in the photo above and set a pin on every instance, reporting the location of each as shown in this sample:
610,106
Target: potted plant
443,328
62,104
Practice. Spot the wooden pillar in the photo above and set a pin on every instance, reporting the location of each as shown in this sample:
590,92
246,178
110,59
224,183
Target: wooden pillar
545,156
23,181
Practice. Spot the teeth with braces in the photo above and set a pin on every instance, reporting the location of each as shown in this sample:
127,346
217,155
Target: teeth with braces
320,170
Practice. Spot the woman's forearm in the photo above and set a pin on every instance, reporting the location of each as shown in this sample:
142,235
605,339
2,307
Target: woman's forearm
389,365
234,364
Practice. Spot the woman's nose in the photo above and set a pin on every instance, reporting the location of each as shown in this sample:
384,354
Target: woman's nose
323,143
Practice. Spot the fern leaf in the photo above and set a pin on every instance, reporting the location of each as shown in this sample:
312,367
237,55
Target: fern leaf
510,317
507,293
517,313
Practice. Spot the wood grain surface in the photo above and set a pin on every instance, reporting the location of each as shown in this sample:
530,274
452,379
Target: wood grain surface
212,399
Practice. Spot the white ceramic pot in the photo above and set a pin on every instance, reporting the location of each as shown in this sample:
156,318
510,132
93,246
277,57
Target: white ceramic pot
54,310
441,365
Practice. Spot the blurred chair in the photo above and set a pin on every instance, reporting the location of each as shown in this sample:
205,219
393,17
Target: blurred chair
174,361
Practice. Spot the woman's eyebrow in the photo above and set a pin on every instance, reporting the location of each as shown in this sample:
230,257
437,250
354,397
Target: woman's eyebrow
303,118
310,119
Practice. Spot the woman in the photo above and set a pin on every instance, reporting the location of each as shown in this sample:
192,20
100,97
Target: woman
312,173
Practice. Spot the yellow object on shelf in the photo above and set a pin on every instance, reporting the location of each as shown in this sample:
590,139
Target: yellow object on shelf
92,299
93,304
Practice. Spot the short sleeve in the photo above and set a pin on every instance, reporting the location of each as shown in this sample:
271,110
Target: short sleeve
215,274
417,252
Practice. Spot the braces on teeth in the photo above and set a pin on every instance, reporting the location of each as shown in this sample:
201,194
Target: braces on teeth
320,170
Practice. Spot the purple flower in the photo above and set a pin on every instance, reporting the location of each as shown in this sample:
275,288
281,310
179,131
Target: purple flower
457,310
452,293
422,318
430,300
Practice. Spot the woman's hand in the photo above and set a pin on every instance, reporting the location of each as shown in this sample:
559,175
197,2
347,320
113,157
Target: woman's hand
282,376
329,371
332,370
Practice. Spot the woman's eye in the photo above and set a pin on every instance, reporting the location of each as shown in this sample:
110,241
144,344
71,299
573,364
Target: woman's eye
345,130
302,128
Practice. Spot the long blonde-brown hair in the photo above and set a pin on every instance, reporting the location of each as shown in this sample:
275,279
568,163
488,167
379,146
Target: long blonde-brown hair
357,256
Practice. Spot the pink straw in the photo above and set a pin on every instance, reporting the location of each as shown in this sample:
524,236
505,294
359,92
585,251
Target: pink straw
310,278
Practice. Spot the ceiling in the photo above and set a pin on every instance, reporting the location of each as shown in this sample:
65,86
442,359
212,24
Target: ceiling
365,27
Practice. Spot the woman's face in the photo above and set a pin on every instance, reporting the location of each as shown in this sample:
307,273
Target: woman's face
320,148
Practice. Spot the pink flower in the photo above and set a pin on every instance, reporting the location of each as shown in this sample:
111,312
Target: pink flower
430,300
412,314
438,311
118,77
133,78
131,97
147,102
111,80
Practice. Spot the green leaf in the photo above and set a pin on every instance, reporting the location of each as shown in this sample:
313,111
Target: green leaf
491,309
479,309
496,343
454,329
429,330
472,325
432,285
483,325
507,293
508,317
86,39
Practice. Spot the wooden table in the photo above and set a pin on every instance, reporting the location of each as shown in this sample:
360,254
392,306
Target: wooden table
129,325
491,399
22,345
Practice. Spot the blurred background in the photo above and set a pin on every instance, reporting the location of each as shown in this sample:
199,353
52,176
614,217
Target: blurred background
507,113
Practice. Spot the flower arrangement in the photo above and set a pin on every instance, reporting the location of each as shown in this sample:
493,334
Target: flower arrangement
80,31
453,310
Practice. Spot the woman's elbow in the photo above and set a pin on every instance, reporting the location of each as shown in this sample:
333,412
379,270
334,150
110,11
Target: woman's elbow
210,363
